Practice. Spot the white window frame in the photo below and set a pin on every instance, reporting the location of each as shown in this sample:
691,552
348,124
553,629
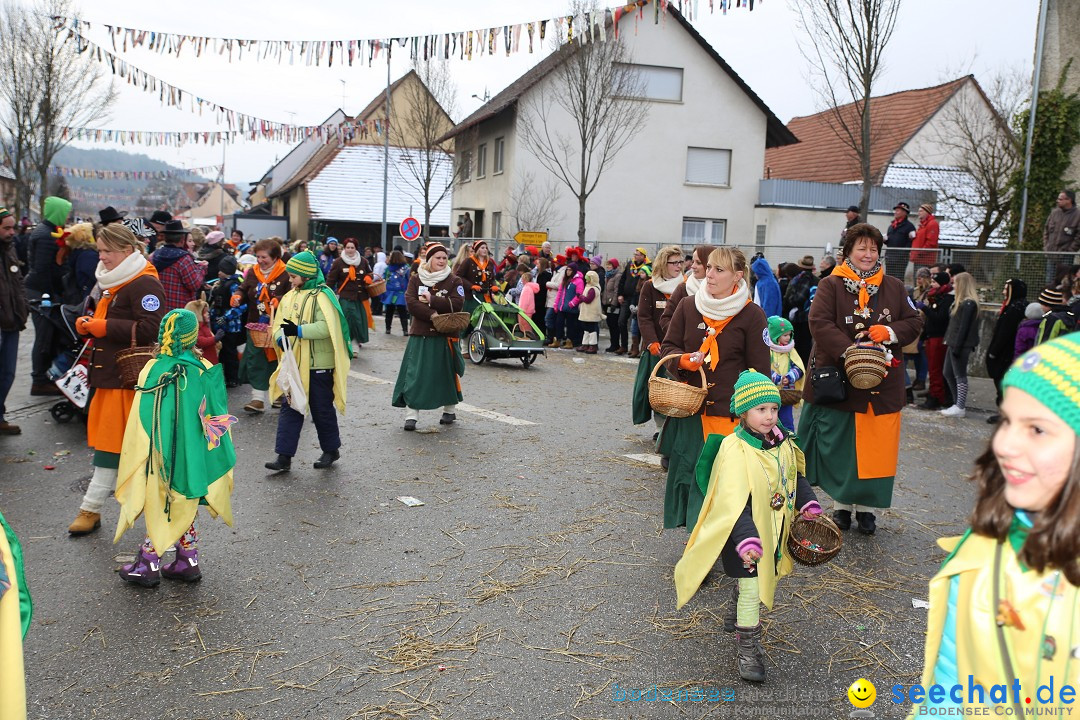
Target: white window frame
643,74
466,166
481,161
703,159
496,224
499,156
709,229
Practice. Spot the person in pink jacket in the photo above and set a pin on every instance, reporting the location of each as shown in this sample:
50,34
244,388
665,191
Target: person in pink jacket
527,301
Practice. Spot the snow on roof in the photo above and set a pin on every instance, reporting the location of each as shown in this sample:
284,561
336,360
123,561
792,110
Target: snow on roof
350,187
958,219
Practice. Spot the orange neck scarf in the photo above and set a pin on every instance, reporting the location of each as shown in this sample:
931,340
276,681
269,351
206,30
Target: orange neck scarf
864,297
267,278
709,346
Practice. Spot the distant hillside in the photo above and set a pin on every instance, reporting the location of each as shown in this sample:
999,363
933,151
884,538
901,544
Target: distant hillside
90,194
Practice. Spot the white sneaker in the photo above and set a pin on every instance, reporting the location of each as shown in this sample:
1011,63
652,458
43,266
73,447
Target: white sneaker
954,411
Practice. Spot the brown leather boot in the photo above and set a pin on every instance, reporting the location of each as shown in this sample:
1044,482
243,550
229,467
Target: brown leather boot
85,523
635,348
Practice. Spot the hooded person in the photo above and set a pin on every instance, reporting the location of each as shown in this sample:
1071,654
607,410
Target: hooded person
211,253
45,277
787,369
767,293
1000,351
177,454
311,323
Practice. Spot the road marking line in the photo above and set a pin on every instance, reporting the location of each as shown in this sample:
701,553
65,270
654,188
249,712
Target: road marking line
369,378
463,407
647,458
492,415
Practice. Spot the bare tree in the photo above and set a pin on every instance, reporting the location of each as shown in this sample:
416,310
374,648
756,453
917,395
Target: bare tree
986,151
844,43
47,85
532,204
422,118
577,120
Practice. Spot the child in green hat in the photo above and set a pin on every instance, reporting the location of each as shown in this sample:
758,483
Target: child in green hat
755,488
786,367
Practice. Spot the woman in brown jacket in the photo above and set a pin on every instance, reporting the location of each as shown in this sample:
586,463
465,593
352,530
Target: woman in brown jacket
852,446
349,277
652,301
263,287
432,366
477,272
689,286
721,333
128,311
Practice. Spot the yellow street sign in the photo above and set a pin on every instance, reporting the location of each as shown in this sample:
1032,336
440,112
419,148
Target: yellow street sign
531,238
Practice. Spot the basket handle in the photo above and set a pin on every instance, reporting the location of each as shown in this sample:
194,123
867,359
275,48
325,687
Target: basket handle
134,327
704,380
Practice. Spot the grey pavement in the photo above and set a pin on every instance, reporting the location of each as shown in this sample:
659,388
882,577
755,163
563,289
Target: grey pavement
535,581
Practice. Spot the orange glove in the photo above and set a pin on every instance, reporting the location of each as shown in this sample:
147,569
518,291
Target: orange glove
87,325
368,280
654,348
686,363
878,333
477,288
234,301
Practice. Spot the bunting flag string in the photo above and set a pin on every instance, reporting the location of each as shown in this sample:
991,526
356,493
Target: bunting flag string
87,173
464,44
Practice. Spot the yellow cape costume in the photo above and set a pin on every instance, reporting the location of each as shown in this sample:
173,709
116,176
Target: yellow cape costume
299,306
741,469
140,490
1041,643
14,605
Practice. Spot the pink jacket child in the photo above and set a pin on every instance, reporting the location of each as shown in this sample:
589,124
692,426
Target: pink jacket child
527,303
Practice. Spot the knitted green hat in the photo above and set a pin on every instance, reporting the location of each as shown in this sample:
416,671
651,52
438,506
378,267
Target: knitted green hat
303,264
777,327
753,389
178,332
1050,373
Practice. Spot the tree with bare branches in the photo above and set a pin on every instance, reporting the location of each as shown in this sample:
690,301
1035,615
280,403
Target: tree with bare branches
46,85
532,204
845,43
585,112
422,118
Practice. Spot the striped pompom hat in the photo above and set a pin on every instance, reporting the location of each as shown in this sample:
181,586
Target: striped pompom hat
752,389
303,264
1050,373
178,332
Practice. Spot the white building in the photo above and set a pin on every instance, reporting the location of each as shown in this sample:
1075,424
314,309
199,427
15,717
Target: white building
690,174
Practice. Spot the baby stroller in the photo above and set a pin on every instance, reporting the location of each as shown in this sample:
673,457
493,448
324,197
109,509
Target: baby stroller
501,329
70,367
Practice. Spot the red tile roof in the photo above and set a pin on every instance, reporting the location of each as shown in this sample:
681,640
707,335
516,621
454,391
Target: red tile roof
822,155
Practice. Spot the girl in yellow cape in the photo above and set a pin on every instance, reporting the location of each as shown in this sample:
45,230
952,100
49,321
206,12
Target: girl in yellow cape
755,487
309,318
15,611
177,454
785,366
1005,605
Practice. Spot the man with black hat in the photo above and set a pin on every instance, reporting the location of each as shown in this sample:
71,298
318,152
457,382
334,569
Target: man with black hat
157,221
110,215
899,237
852,216
180,275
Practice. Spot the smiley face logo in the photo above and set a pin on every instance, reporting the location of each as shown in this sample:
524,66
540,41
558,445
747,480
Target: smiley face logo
862,693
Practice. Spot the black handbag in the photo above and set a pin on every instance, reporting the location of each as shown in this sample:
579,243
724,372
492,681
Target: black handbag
828,383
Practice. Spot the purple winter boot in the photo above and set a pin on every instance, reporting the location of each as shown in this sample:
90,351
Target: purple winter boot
145,571
185,567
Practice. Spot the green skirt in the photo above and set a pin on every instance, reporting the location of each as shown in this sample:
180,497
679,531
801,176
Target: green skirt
642,410
827,438
429,372
682,441
255,368
356,317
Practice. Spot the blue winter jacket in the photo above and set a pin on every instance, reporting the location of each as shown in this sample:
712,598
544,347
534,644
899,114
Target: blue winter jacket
767,290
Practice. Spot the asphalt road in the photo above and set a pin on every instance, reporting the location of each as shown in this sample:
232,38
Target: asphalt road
534,582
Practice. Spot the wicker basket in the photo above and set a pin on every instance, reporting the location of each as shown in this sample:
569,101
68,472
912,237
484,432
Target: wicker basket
131,360
260,335
865,365
790,396
812,542
376,288
674,398
452,324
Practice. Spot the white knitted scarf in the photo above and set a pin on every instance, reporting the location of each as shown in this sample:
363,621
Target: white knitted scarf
352,259
431,279
666,286
722,308
131,266
692,285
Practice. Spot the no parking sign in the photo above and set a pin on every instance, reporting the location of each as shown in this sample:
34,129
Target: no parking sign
410,228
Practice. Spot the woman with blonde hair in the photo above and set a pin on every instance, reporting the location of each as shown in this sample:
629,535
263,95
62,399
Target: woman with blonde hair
720,332
652,302
129,310
961,337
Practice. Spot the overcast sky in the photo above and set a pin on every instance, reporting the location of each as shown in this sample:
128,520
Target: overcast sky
935,41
